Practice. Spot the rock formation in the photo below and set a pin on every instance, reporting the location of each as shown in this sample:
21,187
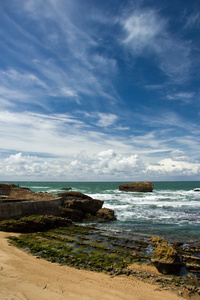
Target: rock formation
166,258
79,201
106,214
12,191
17,202
78,207
34,224
137,187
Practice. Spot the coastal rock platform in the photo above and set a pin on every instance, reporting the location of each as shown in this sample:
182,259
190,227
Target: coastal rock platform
17,202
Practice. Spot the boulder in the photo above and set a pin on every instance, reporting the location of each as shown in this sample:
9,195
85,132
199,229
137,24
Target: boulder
166,258
137,187
80,207
106,214
82,202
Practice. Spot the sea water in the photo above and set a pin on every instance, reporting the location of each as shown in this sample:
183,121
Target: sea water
172,210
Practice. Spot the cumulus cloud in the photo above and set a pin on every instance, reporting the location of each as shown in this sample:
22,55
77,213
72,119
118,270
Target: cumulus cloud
106,163
178,164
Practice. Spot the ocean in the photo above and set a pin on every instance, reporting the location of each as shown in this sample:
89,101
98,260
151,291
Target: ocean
171,211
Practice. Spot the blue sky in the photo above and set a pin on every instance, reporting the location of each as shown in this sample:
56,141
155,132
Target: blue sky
99,90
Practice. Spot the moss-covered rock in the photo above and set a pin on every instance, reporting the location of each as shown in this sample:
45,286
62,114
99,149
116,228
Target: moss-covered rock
34,224
166,258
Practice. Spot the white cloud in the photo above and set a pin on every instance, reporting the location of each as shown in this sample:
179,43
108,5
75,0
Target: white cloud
107,154
147,33
68,92
55,134
107,163
178,164
185,97
142,29
106,120
178,155
64,66
73,63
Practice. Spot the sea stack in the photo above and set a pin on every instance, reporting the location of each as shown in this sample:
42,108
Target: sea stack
137,187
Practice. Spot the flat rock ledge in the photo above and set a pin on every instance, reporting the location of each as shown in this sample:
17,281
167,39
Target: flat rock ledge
137,187
34,224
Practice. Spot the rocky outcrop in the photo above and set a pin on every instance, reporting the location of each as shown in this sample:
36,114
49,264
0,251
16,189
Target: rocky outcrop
18,193
34,224
75,215
17,202
106,214
79,207
82,202
137,187
166,258
5,189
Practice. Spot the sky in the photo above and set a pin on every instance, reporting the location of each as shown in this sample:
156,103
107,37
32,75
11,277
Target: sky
99,90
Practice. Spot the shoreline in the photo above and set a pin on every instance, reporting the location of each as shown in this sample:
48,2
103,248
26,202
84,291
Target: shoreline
23,276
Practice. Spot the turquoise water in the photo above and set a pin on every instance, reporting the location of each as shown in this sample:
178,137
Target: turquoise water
172,210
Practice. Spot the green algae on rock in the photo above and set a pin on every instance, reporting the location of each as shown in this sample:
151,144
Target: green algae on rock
167,260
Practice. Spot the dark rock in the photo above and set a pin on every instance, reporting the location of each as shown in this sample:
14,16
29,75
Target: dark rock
74,195
72,214
167,259
66,189
79,201
192,263
106,214
81,207
88,217
85,205
165,267
137,187
34,224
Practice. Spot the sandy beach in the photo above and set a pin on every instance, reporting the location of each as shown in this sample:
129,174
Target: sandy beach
23,276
